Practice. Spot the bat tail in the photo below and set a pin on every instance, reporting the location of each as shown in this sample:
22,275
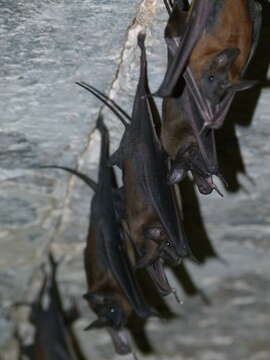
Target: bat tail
85,178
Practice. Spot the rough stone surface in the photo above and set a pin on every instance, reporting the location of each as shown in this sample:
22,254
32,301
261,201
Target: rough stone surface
45,119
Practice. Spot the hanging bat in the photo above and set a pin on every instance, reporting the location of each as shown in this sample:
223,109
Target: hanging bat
147,232
150,253
214,43
184,134
151,205
113,292
53,338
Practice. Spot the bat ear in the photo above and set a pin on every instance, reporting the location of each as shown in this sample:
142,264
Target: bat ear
94,298
244,85
226,57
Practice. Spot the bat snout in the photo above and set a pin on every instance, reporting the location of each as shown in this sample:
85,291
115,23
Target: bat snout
121,345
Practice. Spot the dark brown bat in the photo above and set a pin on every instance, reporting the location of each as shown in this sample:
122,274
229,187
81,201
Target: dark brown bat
184,133
147,232
211,49
113,292
151,205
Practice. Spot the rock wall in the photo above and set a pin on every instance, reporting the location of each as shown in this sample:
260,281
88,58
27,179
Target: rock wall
46,119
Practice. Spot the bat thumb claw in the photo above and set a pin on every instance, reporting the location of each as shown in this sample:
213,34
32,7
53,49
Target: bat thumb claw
141,39
214,187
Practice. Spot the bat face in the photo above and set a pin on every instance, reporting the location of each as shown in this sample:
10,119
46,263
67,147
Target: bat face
214,80
111,316
192,161
104,296
181,143
108,309
164,247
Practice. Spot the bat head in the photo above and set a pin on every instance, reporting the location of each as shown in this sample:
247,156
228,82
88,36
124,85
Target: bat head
214,81
158,250
161,246
190,159
108,309
111,315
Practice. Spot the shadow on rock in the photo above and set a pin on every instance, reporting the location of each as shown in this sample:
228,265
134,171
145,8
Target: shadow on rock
198,238
243,108
137,325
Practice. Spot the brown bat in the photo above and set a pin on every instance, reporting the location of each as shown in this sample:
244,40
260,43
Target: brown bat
113,292
209,79
147,216
210,46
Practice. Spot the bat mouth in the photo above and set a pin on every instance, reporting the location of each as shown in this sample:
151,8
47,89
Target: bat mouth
158,275
121,345
206,184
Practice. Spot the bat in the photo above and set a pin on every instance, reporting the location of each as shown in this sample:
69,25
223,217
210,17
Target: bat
185,135
151,205
211,49
181,143
113,291
53,339
146,215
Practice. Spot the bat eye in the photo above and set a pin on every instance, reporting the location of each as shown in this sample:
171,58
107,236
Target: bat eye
211,78
168,243
112,310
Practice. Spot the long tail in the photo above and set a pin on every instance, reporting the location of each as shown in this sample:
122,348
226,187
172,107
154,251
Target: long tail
115,108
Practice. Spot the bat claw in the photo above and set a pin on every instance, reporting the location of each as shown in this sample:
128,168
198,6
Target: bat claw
214,187
174,292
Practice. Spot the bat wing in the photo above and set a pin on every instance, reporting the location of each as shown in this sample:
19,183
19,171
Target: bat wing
255,11
121,269
110,232
195,24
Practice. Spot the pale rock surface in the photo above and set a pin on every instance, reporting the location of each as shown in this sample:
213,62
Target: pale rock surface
45,119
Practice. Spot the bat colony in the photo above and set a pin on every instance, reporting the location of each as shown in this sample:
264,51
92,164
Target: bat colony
140,225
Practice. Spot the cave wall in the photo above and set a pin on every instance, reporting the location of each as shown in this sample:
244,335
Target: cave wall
46,119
